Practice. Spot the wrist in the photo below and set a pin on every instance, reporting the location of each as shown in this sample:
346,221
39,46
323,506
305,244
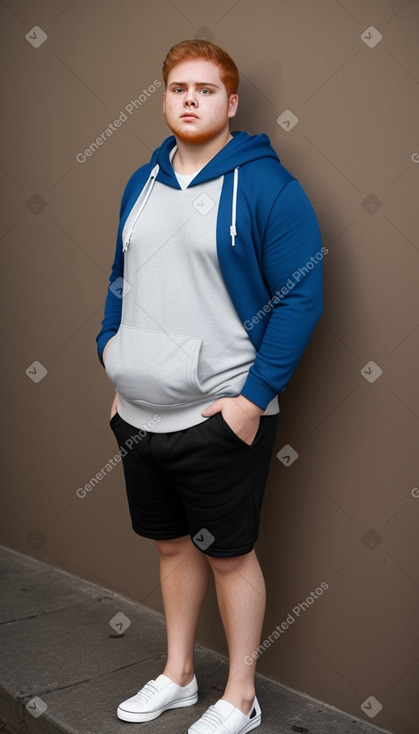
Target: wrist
253,410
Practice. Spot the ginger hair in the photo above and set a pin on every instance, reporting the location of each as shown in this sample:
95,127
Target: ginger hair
200,49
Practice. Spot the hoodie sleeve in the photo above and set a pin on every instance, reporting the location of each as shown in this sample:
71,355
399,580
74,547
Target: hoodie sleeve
113,304
292,269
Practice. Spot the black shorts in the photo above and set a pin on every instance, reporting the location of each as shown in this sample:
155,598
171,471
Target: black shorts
202,481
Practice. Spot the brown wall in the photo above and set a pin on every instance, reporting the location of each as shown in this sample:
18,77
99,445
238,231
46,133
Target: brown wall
345,511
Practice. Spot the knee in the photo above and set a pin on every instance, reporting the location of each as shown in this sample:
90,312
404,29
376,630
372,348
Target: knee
175,547
224,566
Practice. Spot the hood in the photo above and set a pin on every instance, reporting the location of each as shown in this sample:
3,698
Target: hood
239,151
242,149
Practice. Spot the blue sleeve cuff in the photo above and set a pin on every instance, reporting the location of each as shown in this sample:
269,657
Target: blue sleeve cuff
258,392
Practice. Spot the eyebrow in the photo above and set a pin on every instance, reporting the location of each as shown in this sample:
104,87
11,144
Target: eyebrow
198,84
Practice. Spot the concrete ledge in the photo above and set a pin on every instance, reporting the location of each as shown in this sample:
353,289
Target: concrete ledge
64,668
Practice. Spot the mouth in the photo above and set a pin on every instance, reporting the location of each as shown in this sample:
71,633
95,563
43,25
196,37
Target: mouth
189,116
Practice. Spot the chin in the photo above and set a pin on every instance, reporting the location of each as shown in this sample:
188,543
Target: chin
194,137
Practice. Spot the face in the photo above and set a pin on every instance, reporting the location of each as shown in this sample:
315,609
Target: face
196,105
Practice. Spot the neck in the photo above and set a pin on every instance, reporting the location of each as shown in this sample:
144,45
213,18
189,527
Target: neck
190,158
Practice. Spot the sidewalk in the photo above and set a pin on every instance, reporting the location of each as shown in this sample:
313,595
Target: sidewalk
64,668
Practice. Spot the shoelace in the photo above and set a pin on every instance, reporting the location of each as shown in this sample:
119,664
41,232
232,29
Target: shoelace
148,691
212,717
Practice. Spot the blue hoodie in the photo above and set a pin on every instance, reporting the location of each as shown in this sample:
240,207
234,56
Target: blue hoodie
269,250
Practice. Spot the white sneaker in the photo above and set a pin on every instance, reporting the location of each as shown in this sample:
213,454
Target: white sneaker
155,697
224,718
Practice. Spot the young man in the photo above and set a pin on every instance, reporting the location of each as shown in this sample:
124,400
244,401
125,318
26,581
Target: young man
220,255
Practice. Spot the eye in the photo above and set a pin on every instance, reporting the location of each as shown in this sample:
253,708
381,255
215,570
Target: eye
176,90
206,91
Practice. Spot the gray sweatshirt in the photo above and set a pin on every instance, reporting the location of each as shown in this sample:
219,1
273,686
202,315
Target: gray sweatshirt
180,345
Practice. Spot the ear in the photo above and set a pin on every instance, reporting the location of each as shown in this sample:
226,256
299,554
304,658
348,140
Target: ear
233,103
164,103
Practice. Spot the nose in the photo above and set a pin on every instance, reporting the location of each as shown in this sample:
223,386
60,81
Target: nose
190,99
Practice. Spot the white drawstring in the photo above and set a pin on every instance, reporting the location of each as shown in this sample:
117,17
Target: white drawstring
233,230
145,196
144,193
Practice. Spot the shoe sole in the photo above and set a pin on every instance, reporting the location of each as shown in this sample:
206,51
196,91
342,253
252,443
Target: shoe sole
151,715
251,725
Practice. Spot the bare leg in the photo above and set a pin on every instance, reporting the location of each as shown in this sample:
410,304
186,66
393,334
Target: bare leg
241,598
184,583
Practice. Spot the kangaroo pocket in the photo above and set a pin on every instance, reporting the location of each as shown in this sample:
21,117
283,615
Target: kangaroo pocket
154,368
